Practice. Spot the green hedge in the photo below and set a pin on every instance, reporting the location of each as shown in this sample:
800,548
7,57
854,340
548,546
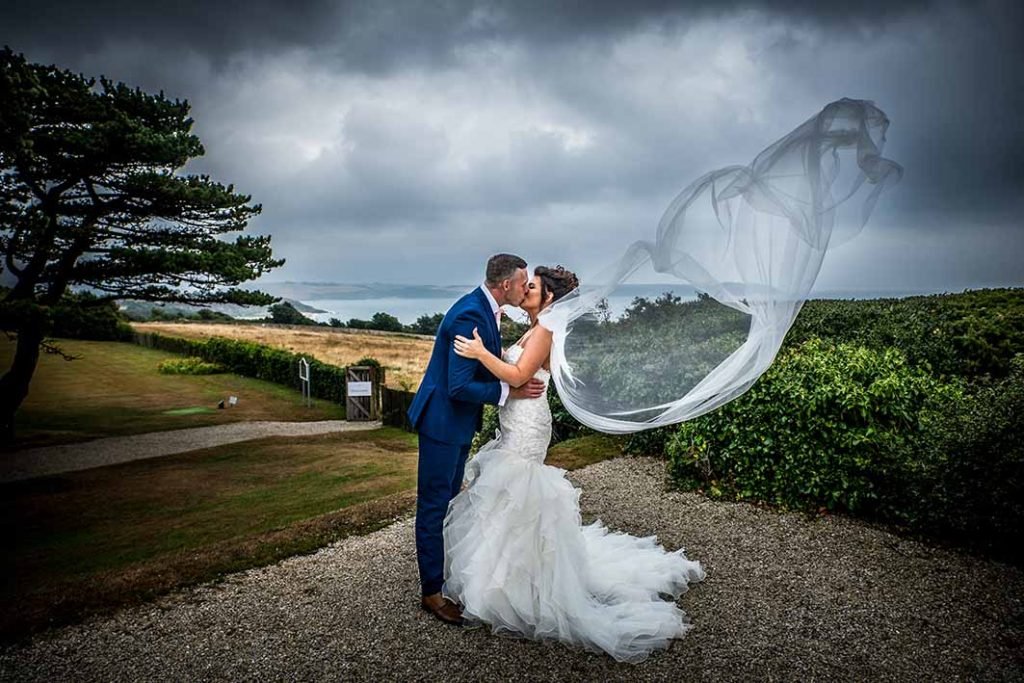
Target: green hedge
971,334
255,360
858,430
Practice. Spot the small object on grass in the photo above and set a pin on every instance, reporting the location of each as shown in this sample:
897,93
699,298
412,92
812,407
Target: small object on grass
221,404
232,400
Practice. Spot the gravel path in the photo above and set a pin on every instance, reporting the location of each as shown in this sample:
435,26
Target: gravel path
37,462
786,598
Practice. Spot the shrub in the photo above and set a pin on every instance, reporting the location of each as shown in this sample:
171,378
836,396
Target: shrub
971,334
78,317
384,322
838,426
486,433
210,315
427,324
563,425
192,365
650,441
255,360
972,485
286,314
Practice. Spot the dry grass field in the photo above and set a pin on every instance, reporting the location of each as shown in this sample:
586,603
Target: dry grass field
403,356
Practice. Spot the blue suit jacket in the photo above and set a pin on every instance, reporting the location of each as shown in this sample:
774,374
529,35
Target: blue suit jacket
448,406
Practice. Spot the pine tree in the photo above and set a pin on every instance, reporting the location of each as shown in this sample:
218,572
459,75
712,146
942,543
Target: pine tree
92,197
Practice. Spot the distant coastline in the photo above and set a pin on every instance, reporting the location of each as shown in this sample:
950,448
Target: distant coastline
324,301
345,301
312,291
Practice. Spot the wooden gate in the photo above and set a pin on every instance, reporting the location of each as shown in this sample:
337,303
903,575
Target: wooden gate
362,393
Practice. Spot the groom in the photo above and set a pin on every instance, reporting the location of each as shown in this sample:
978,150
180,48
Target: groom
448,410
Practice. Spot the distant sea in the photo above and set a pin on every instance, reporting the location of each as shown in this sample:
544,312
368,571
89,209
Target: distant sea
408,309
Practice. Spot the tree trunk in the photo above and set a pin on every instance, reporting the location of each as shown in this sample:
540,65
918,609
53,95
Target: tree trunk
14,384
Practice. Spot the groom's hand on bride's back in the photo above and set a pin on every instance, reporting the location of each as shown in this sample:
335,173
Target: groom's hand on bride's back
532,389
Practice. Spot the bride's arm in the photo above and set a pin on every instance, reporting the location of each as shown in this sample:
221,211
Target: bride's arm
538,348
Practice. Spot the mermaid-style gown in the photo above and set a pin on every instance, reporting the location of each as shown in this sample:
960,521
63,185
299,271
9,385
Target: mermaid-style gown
518,558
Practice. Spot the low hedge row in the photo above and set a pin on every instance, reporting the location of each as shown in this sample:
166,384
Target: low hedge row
852,429
255,360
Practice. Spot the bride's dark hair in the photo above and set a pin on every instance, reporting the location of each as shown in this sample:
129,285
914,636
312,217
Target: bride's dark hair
558,281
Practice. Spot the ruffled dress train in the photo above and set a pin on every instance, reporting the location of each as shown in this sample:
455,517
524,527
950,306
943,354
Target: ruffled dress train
518,558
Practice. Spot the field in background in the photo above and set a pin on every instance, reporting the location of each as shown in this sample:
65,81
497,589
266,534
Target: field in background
404,357
114,389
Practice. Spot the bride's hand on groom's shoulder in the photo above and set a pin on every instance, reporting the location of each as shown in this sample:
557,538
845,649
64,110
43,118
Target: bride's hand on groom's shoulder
470,348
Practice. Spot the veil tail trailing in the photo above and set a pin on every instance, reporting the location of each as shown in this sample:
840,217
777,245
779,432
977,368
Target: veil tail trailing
748,243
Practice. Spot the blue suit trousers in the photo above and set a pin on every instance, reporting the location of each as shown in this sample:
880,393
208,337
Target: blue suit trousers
439,478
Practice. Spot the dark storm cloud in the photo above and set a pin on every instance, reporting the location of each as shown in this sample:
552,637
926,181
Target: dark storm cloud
373,36
406,127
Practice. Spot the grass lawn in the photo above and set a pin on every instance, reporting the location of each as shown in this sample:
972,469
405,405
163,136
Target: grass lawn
86,542
114,389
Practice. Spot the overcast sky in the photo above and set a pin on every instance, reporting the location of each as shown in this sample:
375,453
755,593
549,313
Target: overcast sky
405,142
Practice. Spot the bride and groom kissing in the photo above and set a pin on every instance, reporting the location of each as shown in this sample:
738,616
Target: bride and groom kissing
499,541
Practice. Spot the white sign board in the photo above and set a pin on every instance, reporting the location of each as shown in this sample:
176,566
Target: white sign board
360,389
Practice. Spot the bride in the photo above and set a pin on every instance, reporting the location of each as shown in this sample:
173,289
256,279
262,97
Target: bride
516,554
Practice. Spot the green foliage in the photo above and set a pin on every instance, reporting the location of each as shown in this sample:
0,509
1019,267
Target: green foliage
972,483
90,189
426,324
656,352
384,322
92,194
208,315
512,330
487,431
970,334
255,360
81,316
161,313
852,429
827,425
650,441
286,314
192,365
563,425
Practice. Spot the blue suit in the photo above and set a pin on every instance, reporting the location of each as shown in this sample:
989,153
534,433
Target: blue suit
446,411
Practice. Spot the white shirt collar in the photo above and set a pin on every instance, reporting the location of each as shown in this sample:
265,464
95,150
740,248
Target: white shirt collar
490,298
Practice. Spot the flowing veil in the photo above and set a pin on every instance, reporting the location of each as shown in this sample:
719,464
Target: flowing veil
749,242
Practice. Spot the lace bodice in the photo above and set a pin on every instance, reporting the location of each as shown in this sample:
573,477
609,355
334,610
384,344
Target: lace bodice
526,423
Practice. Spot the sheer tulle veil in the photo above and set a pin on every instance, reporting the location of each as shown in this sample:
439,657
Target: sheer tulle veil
749,241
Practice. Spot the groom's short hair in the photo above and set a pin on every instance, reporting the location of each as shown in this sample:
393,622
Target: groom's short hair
502,267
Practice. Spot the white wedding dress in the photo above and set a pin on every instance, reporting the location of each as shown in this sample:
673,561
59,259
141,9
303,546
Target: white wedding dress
518,558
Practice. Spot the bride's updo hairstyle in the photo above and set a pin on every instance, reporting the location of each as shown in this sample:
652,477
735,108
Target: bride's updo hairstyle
558,281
